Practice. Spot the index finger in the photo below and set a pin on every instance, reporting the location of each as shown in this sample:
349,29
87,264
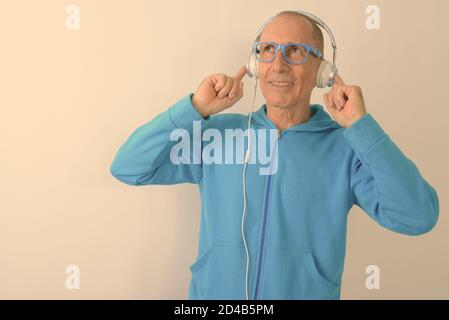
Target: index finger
240,73
338,80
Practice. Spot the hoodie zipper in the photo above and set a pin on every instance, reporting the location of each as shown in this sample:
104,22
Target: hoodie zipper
264,226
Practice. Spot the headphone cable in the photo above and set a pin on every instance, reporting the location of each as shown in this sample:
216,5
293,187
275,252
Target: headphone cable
247,155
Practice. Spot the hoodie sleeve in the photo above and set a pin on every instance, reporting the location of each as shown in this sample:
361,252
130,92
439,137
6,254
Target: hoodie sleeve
145,156
386,184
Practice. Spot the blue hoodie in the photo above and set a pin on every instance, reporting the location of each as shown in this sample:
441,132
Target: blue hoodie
296,219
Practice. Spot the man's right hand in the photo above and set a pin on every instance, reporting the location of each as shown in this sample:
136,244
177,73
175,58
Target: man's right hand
218,92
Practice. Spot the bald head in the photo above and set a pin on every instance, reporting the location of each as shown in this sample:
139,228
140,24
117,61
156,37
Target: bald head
301,20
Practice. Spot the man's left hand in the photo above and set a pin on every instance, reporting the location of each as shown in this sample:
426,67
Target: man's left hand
345,103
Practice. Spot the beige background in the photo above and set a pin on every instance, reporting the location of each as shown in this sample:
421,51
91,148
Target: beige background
69,99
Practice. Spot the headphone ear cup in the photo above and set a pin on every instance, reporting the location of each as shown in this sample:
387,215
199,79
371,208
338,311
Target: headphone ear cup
251,67
326,74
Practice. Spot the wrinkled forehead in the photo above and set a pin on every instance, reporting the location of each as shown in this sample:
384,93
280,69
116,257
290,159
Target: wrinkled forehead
287,29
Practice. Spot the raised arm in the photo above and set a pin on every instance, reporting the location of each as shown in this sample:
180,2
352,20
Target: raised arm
386,184
145,156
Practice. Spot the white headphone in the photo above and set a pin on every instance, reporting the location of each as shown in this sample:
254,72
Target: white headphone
327,70
325,78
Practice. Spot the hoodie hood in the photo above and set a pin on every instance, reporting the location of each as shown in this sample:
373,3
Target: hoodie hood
319,121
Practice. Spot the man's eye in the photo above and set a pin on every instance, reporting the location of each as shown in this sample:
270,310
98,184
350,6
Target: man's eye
297,49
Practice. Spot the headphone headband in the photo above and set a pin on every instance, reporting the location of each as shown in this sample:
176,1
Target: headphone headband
317,21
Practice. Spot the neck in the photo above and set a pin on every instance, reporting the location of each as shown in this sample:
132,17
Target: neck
284,118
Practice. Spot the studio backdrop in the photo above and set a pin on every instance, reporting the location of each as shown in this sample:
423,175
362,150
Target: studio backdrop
78,77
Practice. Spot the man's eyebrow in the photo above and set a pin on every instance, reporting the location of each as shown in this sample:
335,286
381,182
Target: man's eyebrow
290,42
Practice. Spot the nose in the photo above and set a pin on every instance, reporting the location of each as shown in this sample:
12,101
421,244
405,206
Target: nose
279,61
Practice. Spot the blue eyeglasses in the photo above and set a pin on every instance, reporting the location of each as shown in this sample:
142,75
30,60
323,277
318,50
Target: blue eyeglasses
294,53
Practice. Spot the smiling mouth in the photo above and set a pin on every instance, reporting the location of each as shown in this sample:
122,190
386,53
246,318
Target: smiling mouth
281,84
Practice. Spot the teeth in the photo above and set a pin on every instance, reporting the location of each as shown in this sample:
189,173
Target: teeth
284,84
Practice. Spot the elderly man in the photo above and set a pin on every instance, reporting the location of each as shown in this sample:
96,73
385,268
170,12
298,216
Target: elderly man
296,218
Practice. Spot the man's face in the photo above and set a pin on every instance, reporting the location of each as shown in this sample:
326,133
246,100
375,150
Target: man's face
284,29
